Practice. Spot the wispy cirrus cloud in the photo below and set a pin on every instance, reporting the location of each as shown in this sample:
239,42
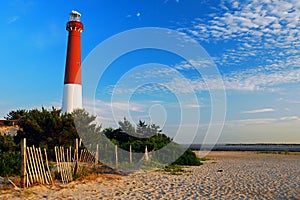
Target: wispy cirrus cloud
12,19
261,33
263,121
264,110
257,80
108,113
254,79
255,121
264,50
100,106
289,118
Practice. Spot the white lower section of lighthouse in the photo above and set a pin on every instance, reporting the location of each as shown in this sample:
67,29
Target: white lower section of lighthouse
72,98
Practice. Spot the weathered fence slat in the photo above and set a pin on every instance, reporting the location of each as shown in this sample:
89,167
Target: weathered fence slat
23,163
48,172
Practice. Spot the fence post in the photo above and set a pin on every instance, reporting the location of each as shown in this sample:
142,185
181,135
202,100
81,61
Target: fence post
146,154
76,147
97,155
116,152
130,154
23,163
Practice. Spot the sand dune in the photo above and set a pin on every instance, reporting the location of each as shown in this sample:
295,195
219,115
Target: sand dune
227,175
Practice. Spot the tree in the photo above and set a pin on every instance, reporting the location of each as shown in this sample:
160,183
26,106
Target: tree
44,128
145,130
152,137
15,115
50,128
86,127
127,127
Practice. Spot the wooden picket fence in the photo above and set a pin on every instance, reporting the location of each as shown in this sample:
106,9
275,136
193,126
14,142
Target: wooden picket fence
69,161
65,166
33,169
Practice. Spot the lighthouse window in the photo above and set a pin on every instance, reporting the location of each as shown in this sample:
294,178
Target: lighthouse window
75,18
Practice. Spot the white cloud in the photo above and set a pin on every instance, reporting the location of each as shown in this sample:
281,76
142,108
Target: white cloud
259,29
260,80
289,118
12,19
259,111
166,1
235,4
256,121
109,113
268,78
193,106
262,121
105,107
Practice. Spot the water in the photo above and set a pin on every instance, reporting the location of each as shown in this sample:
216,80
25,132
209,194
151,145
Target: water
247,147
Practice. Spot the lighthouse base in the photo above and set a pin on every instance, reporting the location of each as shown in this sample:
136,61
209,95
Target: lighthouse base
72,98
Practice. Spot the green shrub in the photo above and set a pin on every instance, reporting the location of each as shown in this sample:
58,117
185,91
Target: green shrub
7,144
10,158
188,158
10,163
154,139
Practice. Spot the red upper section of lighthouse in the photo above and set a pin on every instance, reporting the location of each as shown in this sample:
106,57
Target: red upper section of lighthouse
73,60
74,25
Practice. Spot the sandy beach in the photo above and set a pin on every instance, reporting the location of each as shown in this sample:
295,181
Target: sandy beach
226,175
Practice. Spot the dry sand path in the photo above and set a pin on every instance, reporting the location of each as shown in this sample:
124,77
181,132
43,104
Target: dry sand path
228,175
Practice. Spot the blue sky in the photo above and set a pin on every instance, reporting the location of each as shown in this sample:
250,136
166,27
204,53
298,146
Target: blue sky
255,46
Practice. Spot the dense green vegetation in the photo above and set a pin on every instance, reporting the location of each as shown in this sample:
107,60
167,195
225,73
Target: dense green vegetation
49,128
44,128
9,156
144,135
151,136
188,158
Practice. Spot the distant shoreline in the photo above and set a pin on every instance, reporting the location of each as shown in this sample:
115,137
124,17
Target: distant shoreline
246,147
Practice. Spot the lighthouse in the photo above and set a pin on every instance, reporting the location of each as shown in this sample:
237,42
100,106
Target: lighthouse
72,97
